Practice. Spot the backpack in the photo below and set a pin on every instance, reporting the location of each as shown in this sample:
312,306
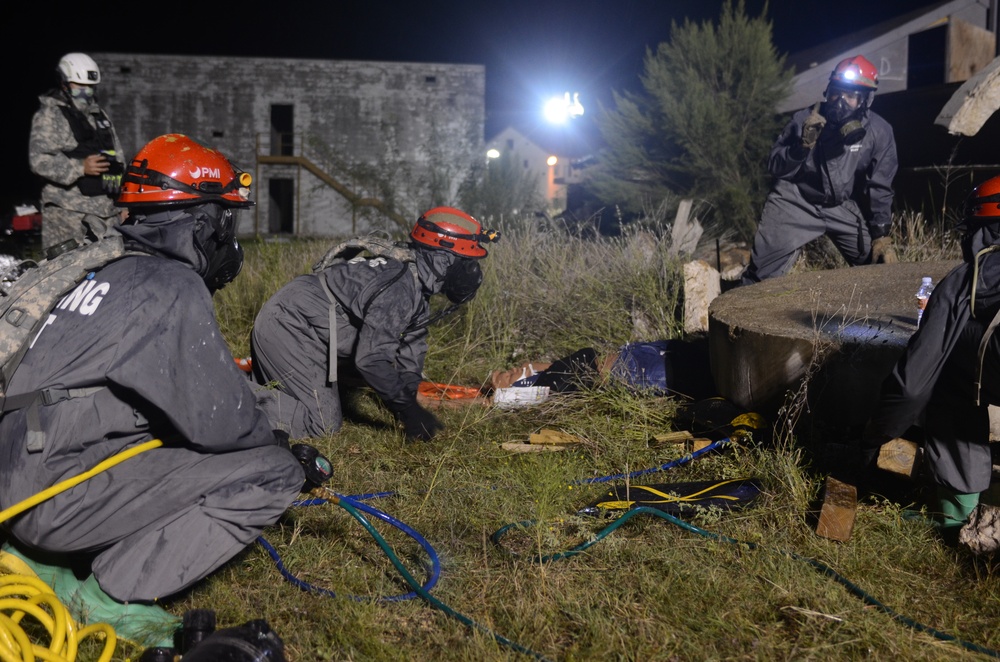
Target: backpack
373,245
29,295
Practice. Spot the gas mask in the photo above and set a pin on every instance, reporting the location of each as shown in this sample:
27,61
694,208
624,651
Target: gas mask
81,96
216,240
848,118
462,280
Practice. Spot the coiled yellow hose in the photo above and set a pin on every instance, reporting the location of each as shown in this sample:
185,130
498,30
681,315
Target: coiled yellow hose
23,594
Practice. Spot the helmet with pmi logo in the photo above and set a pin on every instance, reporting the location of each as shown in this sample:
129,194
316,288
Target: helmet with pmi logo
175,170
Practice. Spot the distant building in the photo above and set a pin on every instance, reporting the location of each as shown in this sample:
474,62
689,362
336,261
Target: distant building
335,147
553,157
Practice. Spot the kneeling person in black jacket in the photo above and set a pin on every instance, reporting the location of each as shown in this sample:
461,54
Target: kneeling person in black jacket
135,354
379,307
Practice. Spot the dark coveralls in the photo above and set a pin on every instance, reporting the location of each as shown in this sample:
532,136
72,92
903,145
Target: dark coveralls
936,376
140,353
381,316
843,191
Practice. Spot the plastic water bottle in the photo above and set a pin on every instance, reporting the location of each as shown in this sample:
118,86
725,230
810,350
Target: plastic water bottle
924,293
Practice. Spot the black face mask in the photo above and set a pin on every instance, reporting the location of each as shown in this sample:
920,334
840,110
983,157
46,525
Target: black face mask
216,239
462,280
224,265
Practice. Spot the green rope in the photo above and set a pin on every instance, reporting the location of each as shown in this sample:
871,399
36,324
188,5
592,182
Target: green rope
419,589
818,565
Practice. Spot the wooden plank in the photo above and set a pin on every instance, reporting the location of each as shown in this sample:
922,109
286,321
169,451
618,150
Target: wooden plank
840,506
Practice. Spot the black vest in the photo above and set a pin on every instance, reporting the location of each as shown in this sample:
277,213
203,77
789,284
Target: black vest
90,141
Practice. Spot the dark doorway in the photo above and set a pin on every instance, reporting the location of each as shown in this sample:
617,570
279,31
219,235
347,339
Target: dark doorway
282,130
281,206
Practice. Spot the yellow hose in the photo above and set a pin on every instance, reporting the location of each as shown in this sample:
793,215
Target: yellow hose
50,492
22,595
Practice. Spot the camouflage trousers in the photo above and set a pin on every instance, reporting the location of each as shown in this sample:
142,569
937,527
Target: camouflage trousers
59,225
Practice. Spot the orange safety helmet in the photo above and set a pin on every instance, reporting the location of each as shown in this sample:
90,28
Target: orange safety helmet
450,229
984,201
855,72
175,170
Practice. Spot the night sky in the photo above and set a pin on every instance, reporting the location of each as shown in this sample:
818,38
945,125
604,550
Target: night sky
531,50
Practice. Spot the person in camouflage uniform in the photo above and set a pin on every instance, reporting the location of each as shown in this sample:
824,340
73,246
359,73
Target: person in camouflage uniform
74,148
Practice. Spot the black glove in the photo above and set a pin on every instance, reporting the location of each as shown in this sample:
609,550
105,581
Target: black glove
418,423
282,437
317,468
812,127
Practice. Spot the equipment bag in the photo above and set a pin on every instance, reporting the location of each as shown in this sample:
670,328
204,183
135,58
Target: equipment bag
679,499
29,294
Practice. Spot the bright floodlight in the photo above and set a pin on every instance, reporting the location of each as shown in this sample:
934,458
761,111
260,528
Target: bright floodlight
560,109
493,154
552,160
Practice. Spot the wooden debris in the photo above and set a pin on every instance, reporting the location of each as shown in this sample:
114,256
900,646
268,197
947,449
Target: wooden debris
677,437
900,456
549,437
521,447
840,506
699,443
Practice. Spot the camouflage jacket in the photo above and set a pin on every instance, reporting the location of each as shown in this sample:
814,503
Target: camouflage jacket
51,139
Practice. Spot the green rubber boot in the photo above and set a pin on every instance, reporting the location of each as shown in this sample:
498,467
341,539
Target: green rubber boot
146,625
950,511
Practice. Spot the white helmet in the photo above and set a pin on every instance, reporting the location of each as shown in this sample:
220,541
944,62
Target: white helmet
79,68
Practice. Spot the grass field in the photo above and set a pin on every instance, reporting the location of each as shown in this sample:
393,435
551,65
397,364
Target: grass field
750,584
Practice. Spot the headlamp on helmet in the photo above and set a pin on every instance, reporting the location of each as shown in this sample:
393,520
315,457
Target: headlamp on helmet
175,170
450,229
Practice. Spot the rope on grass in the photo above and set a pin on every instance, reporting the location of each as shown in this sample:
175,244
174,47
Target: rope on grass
825,569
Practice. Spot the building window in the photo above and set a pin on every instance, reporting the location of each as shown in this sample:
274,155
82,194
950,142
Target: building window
282,130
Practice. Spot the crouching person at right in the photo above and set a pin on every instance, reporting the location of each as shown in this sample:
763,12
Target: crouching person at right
136,354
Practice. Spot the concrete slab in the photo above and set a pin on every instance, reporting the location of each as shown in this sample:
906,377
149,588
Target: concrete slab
843,328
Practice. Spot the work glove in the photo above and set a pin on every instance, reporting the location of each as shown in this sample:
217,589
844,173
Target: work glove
811,128
418,423
317,468
883,252
111,181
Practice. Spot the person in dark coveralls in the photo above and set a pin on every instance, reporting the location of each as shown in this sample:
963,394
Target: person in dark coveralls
947,376
833,168
134,353
73,147
380,306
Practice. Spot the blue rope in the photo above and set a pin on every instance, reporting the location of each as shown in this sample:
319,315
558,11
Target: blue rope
432,580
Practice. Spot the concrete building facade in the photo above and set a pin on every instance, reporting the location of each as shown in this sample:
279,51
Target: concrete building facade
335,147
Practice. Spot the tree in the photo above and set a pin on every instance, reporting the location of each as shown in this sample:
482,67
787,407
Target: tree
703,123
500,190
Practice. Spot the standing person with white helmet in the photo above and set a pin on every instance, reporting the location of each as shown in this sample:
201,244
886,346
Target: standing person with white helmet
833,167
372,311
74,148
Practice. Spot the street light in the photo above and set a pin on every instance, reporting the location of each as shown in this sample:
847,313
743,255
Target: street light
561,109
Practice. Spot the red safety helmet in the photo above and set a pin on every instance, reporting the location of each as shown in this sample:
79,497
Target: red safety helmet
175,170
451,229
855,72
984,201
